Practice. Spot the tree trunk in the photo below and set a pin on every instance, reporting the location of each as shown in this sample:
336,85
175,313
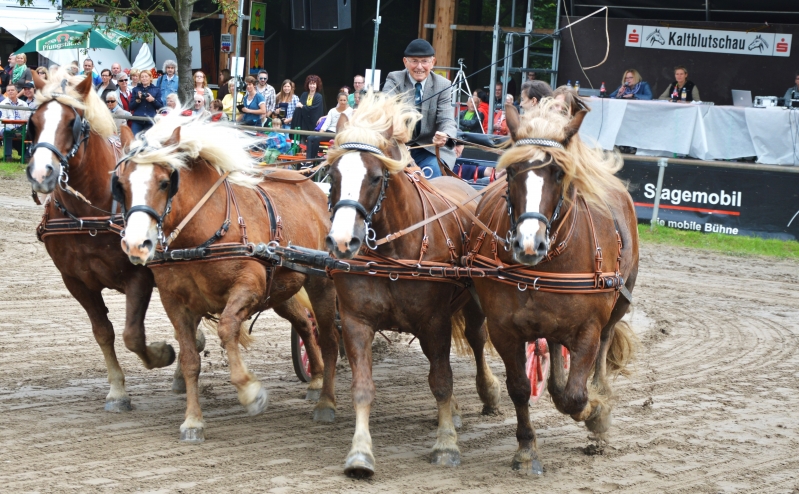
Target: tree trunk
186,89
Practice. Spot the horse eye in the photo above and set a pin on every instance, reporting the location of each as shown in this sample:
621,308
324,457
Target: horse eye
375,180
511,172
163,185
559,176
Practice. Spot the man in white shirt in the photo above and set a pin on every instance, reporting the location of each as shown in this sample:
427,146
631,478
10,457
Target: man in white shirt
11,131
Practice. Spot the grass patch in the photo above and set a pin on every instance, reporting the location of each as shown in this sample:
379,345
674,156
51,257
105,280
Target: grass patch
728,244
12,169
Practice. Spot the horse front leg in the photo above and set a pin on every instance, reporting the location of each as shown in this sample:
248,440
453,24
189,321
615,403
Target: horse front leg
557,373
178,382
513,354
488,388
358,336
138,291
192,430
322,295
92,302
578,399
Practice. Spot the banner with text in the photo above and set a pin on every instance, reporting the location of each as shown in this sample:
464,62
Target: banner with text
709,40
707,199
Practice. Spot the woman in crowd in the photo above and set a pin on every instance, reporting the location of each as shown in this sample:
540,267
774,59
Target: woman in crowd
253,106
532,93
681,81
42,72
124,92
286,104
21,73
357,95
201,88
311,103
224,76
146,101
217,115
471,119
342,108
106,86
570,101
227,101
172,103
116,110
632,87
134,77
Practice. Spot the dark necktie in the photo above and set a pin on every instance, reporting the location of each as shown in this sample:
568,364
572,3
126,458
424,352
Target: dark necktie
417,99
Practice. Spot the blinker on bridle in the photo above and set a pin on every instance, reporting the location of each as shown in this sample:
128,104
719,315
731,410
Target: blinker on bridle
371,235
514,222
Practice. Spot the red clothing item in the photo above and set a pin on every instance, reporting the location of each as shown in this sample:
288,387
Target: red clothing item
484,108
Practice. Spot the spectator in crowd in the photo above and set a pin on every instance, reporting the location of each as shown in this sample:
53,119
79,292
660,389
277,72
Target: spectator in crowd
111,100
107,86
134,77
224,76
358,85
345,90
311,103
253,106
42,72
201,88
532,93
123,91
5,74
74,68
431,96
198,110
147,101
11,131
227,101
21,73
168,83
267,91
88,68
331,121
26,95
116,69
632,87
681,81
498,103
470,119
792,92
217,115
358,95
286,104
570,101
482,107
171,103
530,76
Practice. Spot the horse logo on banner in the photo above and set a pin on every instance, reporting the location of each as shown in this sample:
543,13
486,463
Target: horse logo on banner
758,43
655,37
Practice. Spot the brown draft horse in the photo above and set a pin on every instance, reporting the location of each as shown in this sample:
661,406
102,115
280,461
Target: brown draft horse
71,151
204,275
373,194
560,213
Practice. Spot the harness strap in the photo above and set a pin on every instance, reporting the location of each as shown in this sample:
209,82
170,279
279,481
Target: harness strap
172,236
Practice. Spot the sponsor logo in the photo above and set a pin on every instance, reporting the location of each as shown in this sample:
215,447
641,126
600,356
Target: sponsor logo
707,40
677,196
782,46
633,37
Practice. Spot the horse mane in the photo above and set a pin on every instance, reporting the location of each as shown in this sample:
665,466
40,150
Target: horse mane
221,145
94,109
590,170
377,115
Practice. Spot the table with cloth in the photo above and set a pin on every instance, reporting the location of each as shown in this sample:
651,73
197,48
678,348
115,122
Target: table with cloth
706,132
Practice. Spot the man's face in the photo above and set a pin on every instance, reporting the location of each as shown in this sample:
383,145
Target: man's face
28,93
111,102
116,68
11,92
498,91
419,67
796,81
198,103
88,65
262,78
170,70
358,83
106,77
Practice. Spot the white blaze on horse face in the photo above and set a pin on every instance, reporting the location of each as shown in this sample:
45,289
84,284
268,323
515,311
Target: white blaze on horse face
529,228
140,226
353,171
43,157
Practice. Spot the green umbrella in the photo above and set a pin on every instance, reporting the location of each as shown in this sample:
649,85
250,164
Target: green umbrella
75,37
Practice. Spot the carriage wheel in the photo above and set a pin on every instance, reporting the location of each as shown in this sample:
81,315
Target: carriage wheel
299,353
537,368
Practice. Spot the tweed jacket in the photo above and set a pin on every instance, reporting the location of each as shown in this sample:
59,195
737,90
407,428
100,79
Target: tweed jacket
437,112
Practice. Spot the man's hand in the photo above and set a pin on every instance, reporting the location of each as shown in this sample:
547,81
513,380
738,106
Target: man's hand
440,139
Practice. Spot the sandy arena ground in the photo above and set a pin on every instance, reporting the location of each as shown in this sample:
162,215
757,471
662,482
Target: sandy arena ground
711,406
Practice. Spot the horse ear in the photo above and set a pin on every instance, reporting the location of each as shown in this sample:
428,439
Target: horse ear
85,86
389,133
512,119
574,125
38,82
174,139
343,120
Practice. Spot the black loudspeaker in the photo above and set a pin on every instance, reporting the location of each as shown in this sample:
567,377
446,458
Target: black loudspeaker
331,15
300,15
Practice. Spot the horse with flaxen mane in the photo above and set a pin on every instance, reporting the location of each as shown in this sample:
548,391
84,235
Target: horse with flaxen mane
73,154
393,284
182,167
566,272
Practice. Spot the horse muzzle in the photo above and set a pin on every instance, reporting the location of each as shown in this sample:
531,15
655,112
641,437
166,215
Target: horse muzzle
139,252
342,247
529,249
43,178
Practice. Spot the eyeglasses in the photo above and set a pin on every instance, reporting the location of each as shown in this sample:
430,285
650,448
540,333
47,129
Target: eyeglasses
423,62
122,80
262,78
111,101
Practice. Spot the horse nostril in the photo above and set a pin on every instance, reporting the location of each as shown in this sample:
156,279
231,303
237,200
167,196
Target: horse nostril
542,247
517,244
146,245
330,244
354,245
49,169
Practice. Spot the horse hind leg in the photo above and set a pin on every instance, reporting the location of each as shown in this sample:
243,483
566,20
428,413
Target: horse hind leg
295,310
476,334
117,399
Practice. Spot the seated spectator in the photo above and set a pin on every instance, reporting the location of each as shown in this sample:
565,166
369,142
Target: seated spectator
358,83
227,101
21,73
681,81
286,104
356,98
532,93
168,83
470,119
331,121
88,69
116,110
198,110
147,101
172,103
26,94
570,101
345,90
217,115
277,140
483,107
632,87
253,106
42,72
11,131
107,86
5,74
792,92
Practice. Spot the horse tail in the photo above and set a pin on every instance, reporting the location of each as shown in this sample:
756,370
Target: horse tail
211,322
459,341
302,298
622,350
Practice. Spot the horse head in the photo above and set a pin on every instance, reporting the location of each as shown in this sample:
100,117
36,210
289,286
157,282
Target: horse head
758,43
656,37
536,185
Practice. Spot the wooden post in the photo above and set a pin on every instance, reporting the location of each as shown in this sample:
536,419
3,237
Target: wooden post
442,36
424,11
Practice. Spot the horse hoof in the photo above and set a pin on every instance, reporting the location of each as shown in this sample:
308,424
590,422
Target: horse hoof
259,404
490,410
159,349
326,415
313,394
599,423
359,465
446,458
192,435
457,421
179,386
117,406
529,467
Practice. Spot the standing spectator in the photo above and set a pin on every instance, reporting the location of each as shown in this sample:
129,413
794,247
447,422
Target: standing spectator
146,102
311,103
217,115
343,108
253,106
42,72
224,76
168,83
532,94
681,81
471,119
123,91
286,104
116,69
107,86
21,73
357,84
5,74
11,131
498,104
632,87
116,110
134,77
267,91
227,101
201,88
88,68
792,92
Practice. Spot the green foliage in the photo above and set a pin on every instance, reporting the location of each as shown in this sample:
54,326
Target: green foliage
12,169
728,244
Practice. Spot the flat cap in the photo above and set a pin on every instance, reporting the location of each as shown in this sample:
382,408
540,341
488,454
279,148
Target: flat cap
419,48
